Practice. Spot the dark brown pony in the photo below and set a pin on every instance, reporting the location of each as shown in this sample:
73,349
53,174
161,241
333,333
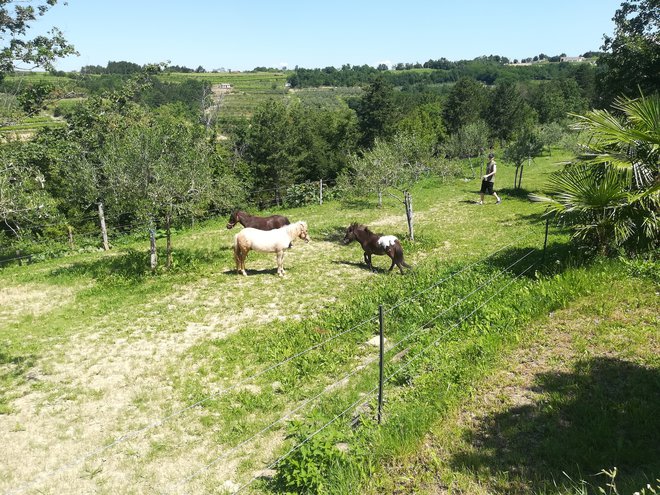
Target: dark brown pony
261,223
375,244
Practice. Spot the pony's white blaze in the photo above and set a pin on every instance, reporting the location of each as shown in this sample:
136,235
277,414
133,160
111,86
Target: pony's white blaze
267,241
387,240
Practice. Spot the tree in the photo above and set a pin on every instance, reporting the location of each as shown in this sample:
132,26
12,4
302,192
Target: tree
631,61
469,142
162,170
376,112
526,145
611,194
508,113
270,147
465,104
16,16
389,167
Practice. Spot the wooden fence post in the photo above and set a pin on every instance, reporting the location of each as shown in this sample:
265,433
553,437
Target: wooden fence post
104,230
320,191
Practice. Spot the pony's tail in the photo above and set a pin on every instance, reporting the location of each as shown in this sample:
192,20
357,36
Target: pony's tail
398,255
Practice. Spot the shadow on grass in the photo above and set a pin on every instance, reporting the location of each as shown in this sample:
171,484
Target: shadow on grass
363,266
336,233
557,258
134,266
602,414
510,192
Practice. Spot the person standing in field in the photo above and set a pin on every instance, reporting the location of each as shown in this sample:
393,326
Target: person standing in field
487,181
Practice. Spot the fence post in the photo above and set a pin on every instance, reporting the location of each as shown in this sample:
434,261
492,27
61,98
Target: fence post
70,229
545,242
320,191
381,363
104,231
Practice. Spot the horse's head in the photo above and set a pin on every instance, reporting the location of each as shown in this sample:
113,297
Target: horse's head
351,233
302,231
233,219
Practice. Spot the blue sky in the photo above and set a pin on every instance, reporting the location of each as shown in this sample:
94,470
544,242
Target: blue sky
243,34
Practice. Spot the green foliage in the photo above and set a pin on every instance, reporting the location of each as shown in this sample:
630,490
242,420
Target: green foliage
15,19
465,104
305,470
376,112
611,196
631,62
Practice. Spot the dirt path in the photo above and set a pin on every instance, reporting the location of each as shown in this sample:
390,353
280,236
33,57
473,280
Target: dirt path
108,381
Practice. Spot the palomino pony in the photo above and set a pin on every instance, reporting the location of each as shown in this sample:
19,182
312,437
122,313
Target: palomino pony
267,241
261,223
375,244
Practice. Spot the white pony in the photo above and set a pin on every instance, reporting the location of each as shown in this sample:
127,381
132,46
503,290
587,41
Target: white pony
267,241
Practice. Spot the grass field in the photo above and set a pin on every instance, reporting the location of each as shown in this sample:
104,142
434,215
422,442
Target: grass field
115,380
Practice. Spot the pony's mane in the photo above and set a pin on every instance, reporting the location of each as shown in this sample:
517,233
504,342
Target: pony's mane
359,226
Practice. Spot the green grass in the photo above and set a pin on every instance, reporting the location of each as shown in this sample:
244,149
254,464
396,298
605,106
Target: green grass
71,324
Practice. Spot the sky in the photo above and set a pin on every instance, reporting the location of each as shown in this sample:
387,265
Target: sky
244,34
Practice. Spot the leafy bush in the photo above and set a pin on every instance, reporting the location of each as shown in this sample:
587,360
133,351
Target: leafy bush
305,470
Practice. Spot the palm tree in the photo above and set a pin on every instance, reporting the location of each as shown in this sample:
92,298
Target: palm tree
611,193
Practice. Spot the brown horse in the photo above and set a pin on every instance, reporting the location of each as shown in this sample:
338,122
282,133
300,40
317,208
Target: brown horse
261,223
375,244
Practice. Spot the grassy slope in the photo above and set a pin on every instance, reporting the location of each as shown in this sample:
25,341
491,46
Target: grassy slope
576,399
94,346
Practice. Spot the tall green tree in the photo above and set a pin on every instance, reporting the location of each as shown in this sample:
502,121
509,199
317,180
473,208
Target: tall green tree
465,104
508,112
270,148
16,17
631,61
376,112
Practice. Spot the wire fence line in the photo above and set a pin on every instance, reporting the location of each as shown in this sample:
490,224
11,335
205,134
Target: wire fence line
210,215
368,394
133,434
367,363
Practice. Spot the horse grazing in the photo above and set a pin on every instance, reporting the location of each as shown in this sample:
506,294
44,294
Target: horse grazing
375,244
267,241
261,223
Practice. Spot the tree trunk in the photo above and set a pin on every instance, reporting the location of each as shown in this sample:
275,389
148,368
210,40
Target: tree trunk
154,253
520,177
168,223
380,199
104,230
70,229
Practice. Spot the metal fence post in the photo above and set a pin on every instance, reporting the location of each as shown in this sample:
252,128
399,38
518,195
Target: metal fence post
381,364
545,242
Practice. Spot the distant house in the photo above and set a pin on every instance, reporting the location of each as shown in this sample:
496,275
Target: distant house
572,59
225,86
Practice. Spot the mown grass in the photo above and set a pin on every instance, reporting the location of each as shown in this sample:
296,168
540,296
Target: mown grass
583,404
265,320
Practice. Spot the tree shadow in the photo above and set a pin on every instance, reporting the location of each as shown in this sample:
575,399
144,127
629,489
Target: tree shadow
511,192
518,260
134,266
336,233
362,265
602,414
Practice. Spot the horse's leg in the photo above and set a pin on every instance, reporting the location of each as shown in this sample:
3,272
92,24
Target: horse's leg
280,263
368,256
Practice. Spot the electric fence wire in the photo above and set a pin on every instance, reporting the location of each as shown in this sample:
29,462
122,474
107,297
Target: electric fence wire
46,475
234,449
345,377
386,380
465,268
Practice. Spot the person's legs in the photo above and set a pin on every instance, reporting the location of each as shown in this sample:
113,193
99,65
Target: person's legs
499,200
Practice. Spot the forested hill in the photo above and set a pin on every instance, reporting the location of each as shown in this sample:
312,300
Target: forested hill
487,70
